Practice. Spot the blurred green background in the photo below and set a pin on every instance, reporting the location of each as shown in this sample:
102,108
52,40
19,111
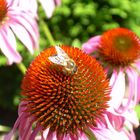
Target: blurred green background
72,23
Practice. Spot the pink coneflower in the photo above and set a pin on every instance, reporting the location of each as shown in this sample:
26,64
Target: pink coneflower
118,50
49,6
14,20
65,96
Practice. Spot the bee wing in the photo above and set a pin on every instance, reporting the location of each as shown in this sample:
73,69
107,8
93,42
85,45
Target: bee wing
60,58
56,60
61,53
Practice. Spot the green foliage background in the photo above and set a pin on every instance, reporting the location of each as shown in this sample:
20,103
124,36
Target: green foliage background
72,23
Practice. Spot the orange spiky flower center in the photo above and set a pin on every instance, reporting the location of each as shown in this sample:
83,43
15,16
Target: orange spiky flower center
119,47
65,103
3,10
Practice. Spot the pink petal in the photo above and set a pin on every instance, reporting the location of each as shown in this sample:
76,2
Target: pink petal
23,35
132,81
136,92
113,78
111,131
48,6
22,107
138,88
83,136
95,39
138,64
107,134
29,5
114,121
137,68
91,45
28,18
19,119
67,137
45,133
130,115
58,2
8,45
118,91
73,137
25,127
34,133
12,2
130,135
51,135
29,24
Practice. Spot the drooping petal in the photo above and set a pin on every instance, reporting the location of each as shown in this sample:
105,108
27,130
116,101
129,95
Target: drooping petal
17,15
83,137
91,45
8,45
130,135
48,6
29,5
25,128
132,87
114,121
12,3
45,133
112,130
118,91
67,137
136,92
107,134
29,24
138,88
23,35
137,68
51,135
32,28
10,134
131,118
35,132
113,78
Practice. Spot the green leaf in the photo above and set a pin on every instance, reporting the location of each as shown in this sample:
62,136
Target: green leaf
137,109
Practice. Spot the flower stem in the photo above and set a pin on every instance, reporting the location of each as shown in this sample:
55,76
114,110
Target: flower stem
89,134
136,69
22,68
47,32
4,128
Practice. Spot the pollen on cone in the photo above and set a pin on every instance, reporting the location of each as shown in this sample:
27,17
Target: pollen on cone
119,47
65,103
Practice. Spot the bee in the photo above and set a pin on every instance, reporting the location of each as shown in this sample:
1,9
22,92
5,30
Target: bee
62,59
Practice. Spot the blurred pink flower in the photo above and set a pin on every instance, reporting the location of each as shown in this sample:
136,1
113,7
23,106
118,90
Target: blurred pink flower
17,19
49,6
118,50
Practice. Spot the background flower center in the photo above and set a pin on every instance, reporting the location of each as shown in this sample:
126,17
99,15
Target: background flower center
122,43
3,10
119,47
